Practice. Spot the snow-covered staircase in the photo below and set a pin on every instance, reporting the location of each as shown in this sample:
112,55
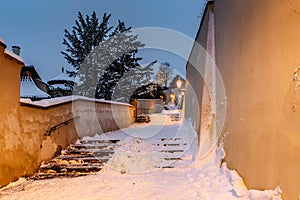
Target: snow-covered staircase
84,157
173,151
89,156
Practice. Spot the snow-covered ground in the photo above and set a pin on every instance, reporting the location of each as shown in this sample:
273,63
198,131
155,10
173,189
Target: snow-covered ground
207,179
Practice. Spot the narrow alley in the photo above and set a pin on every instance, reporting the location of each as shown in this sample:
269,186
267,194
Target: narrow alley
139,168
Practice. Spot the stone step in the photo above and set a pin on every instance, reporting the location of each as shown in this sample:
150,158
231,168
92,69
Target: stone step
90,152
42,176
170,148
99,141
92,146
169,144
168,139
172,151
90,155
86,167
80,158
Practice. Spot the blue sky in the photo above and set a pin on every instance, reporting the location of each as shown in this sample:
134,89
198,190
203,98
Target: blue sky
38,26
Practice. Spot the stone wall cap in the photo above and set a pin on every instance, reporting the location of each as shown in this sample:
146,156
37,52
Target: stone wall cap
2,43
14,56
45,103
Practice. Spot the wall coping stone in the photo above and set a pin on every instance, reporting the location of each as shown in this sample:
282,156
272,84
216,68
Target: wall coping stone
46,103
2,43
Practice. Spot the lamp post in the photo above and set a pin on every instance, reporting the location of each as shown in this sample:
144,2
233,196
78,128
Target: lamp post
179,84
172,96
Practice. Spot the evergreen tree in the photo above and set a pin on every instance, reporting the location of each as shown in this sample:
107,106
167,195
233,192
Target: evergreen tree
124,47
85,36
101,54
131,81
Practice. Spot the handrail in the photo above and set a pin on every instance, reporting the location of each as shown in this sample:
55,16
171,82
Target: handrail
60,125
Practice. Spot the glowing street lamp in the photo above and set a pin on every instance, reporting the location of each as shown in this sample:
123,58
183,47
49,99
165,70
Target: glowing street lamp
172,96
180,93
179,83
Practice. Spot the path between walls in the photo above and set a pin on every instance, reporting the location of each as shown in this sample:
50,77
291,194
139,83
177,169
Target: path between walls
202,179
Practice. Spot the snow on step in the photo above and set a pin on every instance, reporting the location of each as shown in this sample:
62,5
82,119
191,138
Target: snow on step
78,159
168,146
129,155
98,142
137,155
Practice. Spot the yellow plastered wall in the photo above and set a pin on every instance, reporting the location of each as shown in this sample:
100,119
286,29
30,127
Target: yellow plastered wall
257,52
24,143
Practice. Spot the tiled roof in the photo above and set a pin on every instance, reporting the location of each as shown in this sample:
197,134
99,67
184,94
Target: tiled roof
28,89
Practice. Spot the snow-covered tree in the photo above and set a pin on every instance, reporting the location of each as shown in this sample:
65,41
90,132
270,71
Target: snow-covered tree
163,75
131,81
124,47
100,54
84,37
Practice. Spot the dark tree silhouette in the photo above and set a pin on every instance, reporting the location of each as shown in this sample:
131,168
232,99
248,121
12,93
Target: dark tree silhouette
100,54
84,37
163,75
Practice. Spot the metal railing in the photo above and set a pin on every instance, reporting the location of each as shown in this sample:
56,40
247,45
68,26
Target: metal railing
60,125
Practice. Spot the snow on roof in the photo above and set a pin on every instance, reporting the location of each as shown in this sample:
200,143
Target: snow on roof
61,86
29,70
28,89
62,77
11,54
60,100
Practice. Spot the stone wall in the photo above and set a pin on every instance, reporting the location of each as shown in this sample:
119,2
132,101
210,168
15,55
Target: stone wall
148,106
97,116
25,138
27,129
23,142
197,97
10,66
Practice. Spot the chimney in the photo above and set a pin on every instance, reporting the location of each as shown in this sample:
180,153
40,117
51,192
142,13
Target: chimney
16,50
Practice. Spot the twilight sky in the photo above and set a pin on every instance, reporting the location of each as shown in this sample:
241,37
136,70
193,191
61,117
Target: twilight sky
38,26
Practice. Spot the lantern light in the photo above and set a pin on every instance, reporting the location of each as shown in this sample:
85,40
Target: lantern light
179,83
